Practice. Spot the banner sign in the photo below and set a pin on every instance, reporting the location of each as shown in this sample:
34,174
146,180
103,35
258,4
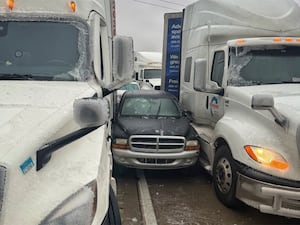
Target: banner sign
171,55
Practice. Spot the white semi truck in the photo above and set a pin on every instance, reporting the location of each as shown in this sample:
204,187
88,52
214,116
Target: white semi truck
56,73
240,79
148,68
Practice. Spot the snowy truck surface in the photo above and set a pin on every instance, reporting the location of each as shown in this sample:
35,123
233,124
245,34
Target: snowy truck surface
240,79
55,70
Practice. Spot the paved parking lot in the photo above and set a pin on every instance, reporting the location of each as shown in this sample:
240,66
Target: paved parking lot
185,197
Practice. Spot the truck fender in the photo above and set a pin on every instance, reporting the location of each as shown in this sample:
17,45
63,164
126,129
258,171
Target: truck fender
232,133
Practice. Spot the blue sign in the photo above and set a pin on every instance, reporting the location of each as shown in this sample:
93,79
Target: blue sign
172,65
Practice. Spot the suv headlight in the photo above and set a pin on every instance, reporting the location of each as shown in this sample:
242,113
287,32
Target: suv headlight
192,145
77,209
120,143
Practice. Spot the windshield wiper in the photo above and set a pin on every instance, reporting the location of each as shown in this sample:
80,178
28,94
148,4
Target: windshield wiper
15,76
291,82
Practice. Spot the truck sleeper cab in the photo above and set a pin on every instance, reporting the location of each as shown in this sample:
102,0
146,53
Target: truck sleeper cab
55,71
242,96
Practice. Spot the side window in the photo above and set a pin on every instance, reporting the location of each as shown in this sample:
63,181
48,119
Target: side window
218,67
187,71
105,53
101,58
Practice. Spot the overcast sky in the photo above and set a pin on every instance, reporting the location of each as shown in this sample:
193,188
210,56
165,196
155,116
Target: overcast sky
143,20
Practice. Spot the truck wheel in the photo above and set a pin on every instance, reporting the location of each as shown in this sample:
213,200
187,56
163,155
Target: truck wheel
225,177
113,214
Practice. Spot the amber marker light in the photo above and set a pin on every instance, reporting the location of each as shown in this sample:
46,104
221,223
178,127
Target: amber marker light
240,41
288,39
73,6
267,157
10,4
120,146
297,39
277,39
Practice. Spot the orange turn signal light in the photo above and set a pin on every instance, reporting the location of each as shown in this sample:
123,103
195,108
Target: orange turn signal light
277,39
267,157
240,41
73,6
10,4
120,146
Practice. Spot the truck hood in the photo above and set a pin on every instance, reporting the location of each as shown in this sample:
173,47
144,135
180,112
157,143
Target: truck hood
286,97
31,112
153,126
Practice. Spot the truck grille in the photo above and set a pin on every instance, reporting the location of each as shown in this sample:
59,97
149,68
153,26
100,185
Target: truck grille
156,144
2,184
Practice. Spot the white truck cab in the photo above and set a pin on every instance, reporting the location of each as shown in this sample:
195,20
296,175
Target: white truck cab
56,72
240,79
148,69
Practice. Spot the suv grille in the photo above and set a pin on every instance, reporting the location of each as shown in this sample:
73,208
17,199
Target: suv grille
2,184
156,144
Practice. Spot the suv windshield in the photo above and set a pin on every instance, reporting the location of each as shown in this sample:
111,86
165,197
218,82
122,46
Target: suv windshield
42,50
145,106
152,73
264,65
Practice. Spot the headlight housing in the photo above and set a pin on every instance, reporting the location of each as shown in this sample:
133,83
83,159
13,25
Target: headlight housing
120,143
77,209
192,145
267,157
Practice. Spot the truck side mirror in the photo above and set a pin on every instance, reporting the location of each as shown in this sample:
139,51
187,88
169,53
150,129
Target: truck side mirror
200,67
90,112
200,81
123,58
266,102
262,101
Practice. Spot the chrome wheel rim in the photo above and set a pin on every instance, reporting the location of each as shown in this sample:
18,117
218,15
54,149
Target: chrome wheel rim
224,175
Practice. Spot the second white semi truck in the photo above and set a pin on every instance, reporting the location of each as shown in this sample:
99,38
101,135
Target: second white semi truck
240,80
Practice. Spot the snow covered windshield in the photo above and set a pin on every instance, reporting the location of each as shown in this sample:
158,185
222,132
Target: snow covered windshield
43,50
145,106
259,65
152,73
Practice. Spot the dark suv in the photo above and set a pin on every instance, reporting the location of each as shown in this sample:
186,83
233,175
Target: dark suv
151,132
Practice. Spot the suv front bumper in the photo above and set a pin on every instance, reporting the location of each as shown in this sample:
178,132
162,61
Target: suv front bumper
144,160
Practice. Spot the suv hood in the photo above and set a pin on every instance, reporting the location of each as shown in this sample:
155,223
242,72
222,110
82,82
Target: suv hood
32,112
154,126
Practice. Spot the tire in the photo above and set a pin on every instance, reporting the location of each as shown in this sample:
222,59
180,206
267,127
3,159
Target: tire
113,216
225,177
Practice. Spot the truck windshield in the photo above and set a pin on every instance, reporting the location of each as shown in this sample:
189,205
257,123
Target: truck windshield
42,50
264,65
152,73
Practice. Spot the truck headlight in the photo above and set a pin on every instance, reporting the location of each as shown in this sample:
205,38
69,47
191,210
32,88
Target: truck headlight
267,157
77,209
120,143
192,145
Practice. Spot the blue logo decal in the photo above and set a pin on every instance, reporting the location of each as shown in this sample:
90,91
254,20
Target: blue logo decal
27,165
214,105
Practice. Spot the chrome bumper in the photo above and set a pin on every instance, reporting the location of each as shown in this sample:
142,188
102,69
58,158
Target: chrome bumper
144,160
